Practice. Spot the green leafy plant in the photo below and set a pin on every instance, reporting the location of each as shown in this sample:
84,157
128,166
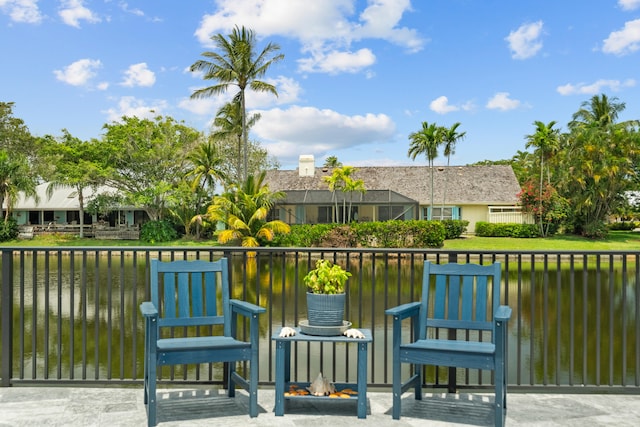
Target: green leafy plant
326,278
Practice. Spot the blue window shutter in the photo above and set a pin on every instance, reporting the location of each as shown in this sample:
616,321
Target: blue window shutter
428,213
455,212
300,219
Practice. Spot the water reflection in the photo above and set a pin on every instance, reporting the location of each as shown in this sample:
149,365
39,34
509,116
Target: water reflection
572,323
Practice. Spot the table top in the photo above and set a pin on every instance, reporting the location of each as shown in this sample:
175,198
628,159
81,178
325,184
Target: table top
299,336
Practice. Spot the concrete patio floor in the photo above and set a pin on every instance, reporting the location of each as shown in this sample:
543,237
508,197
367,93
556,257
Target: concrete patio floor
66,406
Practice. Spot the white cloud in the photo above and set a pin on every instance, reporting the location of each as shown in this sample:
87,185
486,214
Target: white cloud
525,41
624,41
326,29
441,105
629,4
24,11
288,92
132,107
139,75
308,130
501,101
78,73
74,11
135,11
594,88
335,62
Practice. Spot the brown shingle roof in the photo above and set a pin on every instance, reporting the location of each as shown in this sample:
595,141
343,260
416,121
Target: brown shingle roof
487,185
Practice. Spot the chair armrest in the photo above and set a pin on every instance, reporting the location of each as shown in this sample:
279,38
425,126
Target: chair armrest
503,313
245,308
148,309
405,310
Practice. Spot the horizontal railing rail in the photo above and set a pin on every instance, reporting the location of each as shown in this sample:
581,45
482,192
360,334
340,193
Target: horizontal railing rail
70,314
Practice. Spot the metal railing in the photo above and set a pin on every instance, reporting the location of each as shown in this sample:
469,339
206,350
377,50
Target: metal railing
70,315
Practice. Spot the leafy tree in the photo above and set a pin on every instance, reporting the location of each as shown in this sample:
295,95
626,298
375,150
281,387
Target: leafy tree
597,163
450,136
546,140
237,64
259,159
75,165
426,141
148,158
14,134
15,177
244,210
332,162
335,183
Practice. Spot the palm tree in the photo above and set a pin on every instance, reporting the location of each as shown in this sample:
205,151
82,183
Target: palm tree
206,166
426,141
599,111
237,64
546,139
351,185
336,183
450,137
228,123
244,210
15,177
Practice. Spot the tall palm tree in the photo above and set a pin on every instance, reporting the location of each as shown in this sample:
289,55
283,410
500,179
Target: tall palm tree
228,123
244,210
546,139
426,141
450,138
599,111
236,64
336,183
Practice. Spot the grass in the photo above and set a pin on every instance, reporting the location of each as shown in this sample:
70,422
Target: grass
616,241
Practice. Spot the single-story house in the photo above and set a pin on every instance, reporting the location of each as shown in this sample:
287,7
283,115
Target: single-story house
472,193
60,212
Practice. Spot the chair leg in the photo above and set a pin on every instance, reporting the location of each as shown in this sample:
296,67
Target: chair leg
151,396
501,397
397,390
418,379
231,387
253,385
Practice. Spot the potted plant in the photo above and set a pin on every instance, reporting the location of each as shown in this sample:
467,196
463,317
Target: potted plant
325,293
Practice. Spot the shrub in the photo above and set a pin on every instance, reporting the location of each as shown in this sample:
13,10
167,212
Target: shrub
8,230
486,229
454,228
158,231
623,225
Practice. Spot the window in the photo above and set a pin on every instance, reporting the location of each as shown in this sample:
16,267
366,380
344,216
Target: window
386,213
325,214
437,213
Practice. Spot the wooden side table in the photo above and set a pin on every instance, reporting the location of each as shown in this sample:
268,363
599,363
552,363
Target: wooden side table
283,368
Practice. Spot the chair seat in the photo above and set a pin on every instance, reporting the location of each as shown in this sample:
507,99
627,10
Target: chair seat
200,343
451,346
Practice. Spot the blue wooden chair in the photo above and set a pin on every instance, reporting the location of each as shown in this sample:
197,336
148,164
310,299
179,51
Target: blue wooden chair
454,297
189,295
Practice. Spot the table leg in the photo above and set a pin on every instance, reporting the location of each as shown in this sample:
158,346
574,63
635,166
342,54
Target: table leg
362,380
281,373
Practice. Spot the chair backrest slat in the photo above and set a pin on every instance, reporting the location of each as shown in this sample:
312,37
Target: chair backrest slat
459,296
194,293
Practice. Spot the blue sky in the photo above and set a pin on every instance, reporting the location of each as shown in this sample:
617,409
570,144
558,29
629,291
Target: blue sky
358,75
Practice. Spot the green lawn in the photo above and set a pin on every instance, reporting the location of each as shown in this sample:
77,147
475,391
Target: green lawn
617,240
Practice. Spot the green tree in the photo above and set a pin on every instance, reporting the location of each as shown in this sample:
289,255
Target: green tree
15,177
237,64
546,140
244,210
14,134
597,163
259,158
426,141
75,165
332,162
147,159
335,183
228,124
450,137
